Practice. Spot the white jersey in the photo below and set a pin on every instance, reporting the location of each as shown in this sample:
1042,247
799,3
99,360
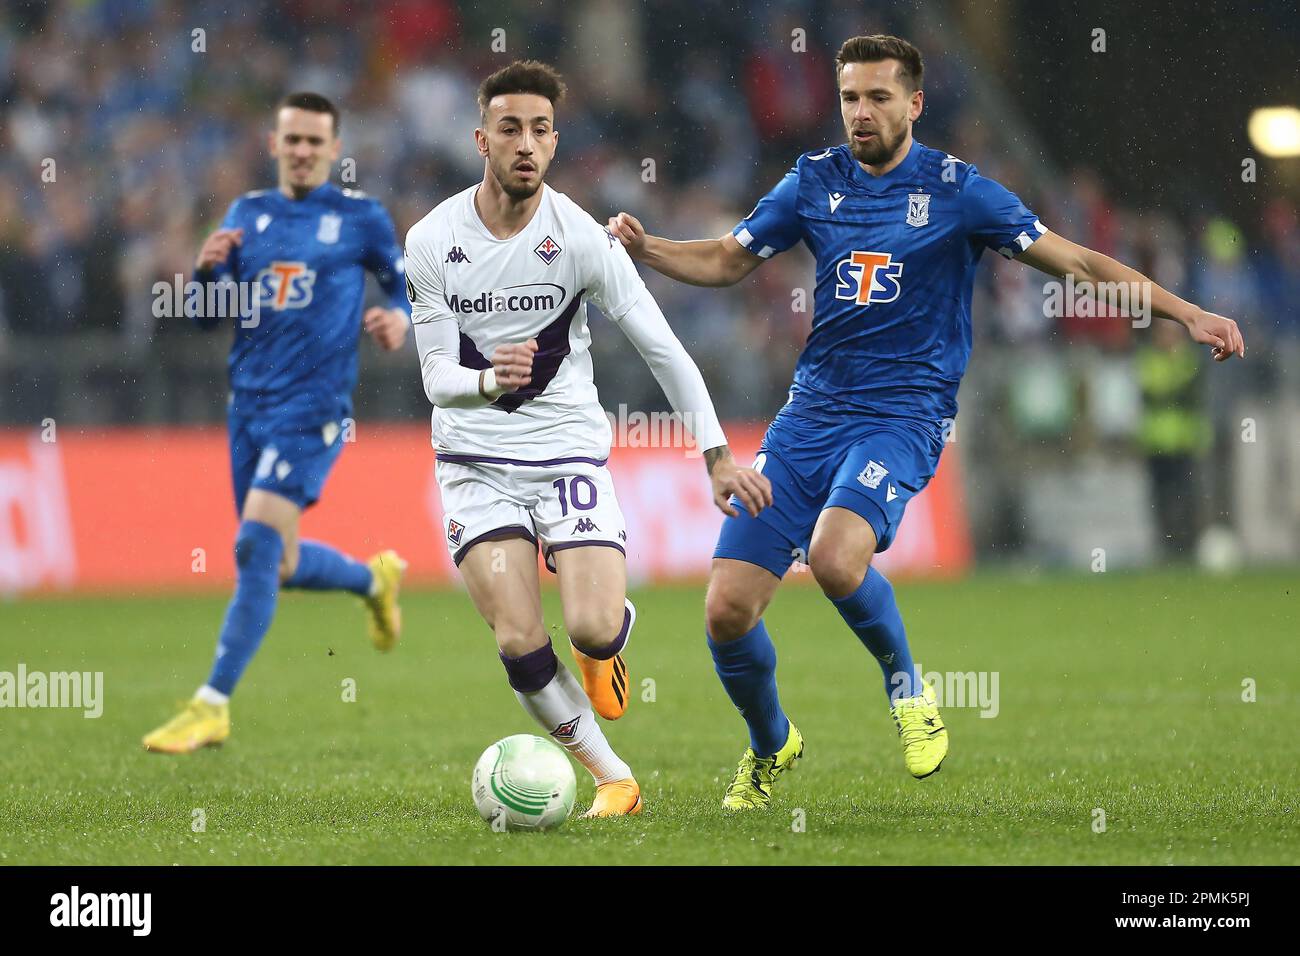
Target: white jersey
466,284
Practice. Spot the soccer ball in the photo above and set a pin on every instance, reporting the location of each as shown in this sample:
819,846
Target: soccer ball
524,782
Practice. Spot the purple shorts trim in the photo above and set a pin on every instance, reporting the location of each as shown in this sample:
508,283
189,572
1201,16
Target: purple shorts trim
496,534
485,460
565,545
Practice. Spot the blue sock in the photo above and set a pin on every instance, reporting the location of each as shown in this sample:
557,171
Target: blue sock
322,568
257,559
747,669
873,614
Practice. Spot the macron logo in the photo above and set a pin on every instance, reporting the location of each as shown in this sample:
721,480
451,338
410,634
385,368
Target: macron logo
103,909
836,199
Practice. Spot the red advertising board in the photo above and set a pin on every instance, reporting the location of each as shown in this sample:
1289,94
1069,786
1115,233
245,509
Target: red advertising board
140,510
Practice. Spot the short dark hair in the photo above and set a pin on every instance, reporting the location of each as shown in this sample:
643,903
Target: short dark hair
313,103
873,49
522,76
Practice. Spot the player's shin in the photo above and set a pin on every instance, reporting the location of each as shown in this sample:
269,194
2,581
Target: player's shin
873,614
258,548
554,699
747,669
323,568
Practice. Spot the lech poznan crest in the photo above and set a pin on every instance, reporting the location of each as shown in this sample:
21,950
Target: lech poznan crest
329,228
918,209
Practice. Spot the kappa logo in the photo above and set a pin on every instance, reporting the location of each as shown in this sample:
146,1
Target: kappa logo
548,250
455,530
836,199
585,526
868,278
567,730
457,256
871,475
285,285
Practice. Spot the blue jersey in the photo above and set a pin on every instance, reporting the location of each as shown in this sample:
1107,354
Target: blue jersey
896,257
296,359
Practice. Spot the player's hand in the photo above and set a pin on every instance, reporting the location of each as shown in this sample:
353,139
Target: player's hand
386,326
629,231
216,248
1219,332
750,487
513,364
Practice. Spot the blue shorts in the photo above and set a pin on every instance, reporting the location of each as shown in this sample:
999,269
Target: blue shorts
289,460
871,466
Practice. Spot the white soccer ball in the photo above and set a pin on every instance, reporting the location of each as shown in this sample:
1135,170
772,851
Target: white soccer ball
524,782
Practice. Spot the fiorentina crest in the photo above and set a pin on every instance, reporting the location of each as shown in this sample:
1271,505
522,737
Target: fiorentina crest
918,209
548,250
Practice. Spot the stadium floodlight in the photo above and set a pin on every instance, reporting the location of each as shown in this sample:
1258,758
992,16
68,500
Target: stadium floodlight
1275,131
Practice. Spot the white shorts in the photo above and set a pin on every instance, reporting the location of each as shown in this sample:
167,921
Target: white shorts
568,504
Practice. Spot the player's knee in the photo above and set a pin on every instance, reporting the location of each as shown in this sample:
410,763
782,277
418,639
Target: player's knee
838,572
257,546
729,613
595,626
516,640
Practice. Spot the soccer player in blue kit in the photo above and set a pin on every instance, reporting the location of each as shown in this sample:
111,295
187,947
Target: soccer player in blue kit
304,248
897,230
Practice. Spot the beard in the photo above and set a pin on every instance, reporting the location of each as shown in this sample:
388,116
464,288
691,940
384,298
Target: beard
879,150
515,188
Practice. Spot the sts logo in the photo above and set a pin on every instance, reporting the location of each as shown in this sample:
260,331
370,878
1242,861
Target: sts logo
285,285
868,277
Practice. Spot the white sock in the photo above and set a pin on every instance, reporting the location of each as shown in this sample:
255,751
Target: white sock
563,705
210,695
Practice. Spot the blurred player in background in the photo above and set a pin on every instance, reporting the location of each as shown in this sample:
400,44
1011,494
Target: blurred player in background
497,278
897,230
293,365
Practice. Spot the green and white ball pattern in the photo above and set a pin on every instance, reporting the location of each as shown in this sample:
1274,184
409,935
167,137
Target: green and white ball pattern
524,782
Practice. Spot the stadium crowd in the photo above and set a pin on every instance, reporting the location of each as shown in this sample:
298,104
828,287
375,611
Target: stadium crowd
128,126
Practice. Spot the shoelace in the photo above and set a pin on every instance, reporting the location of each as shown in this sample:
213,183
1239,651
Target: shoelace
752,765
911,720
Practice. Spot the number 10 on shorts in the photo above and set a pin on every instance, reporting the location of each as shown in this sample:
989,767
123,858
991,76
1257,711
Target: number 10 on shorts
581,493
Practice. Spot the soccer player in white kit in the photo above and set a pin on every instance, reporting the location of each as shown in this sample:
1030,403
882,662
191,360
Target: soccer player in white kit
498,276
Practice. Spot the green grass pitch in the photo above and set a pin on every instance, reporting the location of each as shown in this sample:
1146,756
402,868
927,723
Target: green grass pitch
1120,693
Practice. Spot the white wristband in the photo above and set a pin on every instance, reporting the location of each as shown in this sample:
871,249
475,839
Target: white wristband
488,385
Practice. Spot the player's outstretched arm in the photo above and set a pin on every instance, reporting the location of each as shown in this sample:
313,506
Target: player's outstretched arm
706,262
1059,257
678,375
